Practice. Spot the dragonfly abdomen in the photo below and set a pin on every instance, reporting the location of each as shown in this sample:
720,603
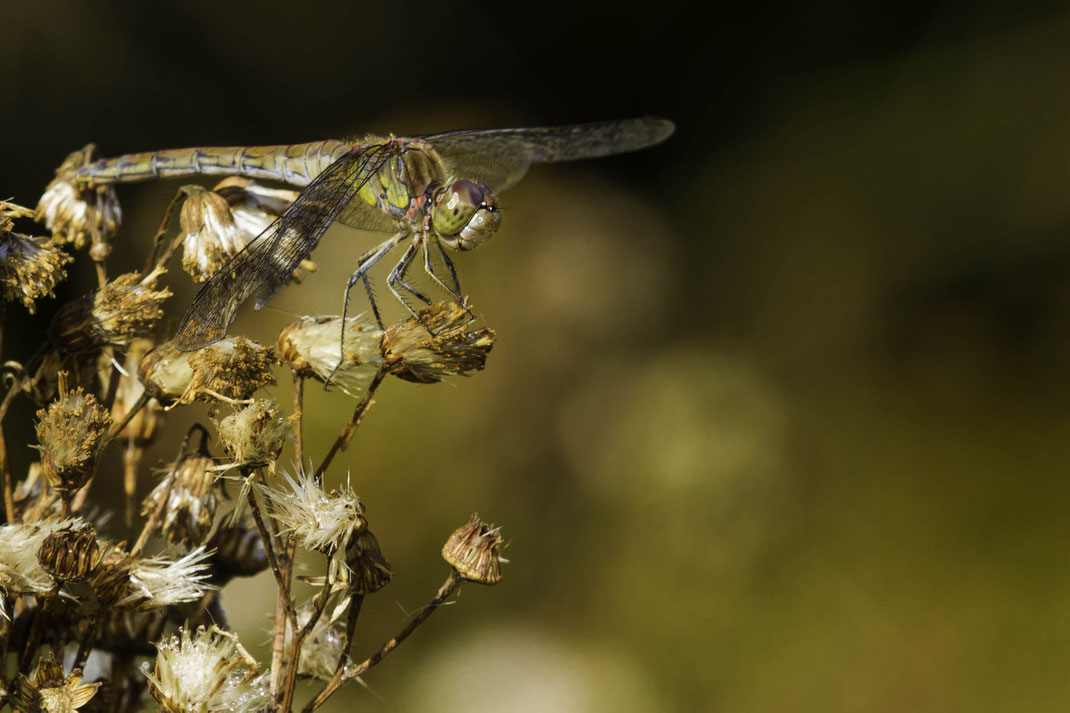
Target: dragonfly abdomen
296,164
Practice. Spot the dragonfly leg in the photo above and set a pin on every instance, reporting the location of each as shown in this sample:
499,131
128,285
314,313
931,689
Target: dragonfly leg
395,278
401,278
449,264
429,268
367,260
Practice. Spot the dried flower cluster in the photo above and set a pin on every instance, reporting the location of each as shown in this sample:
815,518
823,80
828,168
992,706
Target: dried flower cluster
142,591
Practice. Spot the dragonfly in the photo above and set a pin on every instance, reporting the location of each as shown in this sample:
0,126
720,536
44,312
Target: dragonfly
431,193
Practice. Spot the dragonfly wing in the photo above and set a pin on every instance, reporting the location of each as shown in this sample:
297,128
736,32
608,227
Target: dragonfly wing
501,157
269,260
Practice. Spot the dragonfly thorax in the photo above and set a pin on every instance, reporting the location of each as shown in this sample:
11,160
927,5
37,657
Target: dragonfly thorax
464,214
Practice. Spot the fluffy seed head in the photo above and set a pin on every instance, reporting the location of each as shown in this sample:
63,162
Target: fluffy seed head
322,647
206,672
20,570
414,354
319,520
148,583
191,500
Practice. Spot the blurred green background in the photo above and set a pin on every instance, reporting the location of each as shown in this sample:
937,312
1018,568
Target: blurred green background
777,417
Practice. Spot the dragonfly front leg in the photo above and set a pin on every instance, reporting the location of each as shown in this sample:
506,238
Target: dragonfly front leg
429,268
366,261
395,278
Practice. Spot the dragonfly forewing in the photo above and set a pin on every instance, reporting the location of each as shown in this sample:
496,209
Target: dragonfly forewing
269,260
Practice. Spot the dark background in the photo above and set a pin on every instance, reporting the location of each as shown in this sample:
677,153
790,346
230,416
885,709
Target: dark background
777,416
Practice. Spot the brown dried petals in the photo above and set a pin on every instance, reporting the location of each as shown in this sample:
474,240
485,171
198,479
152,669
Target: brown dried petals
121,311
474,552
76,211
414,354
47,690
70,431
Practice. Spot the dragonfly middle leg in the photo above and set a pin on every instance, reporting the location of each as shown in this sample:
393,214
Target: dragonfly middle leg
397,277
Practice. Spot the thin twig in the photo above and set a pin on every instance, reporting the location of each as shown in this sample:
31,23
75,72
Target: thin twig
269,550
351,427
452,582
340,669
152,263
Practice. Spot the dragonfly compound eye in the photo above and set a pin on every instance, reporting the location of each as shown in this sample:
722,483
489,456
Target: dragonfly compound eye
465,215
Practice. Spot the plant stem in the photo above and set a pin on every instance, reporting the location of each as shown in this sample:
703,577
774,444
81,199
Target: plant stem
351,427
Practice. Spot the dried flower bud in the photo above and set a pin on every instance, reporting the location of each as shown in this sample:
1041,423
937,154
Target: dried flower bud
143,426
473,551
312,346
207,672
30,268
75,210
192,499
239,551
70,431
319,520
46,690
232,369
124,309
368,569
70,554
254,434
152,582
412,354
20,570
253,206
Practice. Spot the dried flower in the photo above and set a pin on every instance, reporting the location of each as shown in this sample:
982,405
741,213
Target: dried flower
70,554
192,498
207,672
20,570
46,690
255,434
319,520
473,551
152,582
70,431
230,370
412,354
312,346
30,268
124,309
75,210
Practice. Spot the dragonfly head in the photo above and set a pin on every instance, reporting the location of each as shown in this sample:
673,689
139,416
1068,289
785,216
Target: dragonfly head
465,214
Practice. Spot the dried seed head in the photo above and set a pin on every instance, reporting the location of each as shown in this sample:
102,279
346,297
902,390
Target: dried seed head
233,368
70,554
70,431
368,570
30,268
321,649
473,551
20,570
253,206
151,582
192,498
255,434
143,426
208,672
46,690
412,354
312,346
126,308
73,209
319,520
239,551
